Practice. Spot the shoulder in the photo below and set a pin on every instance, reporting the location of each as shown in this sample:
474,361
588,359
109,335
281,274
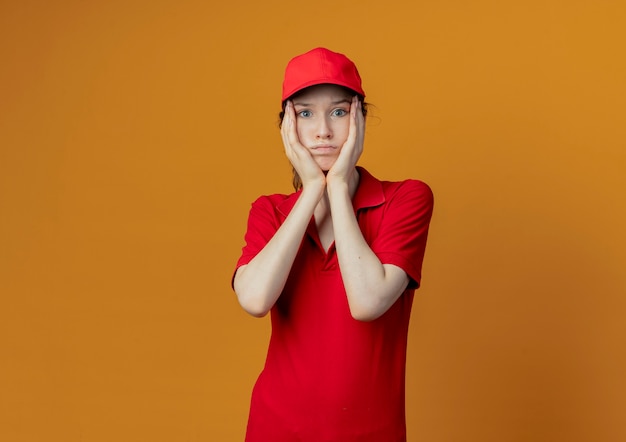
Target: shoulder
412,189
407,186
279,203
408,201
409,189
271,200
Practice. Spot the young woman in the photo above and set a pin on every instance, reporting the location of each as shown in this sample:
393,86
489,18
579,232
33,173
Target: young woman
336,263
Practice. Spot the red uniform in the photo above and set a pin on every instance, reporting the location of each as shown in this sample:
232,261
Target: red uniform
327,376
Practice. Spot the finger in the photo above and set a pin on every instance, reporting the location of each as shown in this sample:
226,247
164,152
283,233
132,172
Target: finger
292,133
352,130
288,125
354,142
288,131
297,154
361,121
285,124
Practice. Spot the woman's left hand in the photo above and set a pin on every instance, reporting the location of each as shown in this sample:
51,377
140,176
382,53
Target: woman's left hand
344,168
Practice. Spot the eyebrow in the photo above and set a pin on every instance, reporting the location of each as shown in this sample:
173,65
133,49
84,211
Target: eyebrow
333,103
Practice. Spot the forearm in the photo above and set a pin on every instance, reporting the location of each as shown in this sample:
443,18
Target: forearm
371,287
259,283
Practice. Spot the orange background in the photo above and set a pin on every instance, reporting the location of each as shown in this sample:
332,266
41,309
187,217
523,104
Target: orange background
134,135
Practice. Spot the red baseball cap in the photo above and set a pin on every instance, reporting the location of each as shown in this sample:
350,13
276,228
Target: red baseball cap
320,66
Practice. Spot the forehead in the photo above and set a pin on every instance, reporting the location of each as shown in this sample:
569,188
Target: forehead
323,92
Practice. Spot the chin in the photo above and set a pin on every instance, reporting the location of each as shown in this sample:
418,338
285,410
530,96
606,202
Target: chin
326,165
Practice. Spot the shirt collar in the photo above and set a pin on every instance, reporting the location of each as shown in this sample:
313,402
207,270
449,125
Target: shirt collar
368,194
370,191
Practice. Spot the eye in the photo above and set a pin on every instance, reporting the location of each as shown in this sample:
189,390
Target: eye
305,114
339,112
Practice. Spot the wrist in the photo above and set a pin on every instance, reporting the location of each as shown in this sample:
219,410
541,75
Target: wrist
341,184
314,187
338,189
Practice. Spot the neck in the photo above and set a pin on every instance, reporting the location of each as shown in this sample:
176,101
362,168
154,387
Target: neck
353,184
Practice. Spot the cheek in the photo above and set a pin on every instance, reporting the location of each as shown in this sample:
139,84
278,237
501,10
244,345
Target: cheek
301,129
342,128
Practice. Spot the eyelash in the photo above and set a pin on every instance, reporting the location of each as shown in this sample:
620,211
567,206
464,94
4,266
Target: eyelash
334,113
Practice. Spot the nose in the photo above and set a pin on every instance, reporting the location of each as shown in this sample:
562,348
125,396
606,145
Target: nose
324,130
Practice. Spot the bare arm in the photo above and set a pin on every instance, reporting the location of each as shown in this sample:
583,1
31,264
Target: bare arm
371,287
259,283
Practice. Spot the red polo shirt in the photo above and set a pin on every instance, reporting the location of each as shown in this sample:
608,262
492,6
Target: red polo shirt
327,376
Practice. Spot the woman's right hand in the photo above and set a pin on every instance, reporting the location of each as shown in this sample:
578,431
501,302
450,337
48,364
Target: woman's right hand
300,158
260,283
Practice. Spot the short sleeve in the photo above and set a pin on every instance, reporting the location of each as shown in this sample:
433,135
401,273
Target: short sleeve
263,223
401,238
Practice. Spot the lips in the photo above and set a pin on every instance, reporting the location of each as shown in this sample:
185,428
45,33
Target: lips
323,148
